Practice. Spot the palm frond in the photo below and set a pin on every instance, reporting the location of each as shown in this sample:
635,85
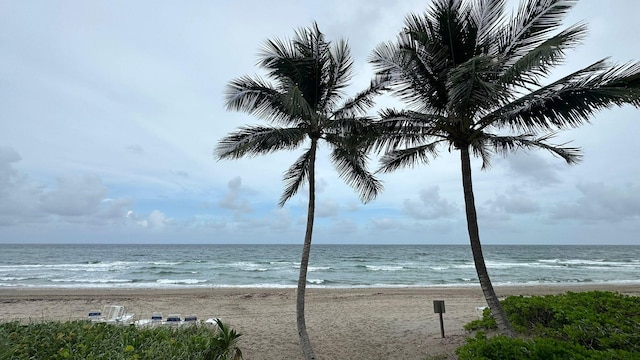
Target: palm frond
338,74
363,100
538,62
282,61
351,164
480,149
295,176
506,144
532,24
257,97
257,140
472,87
416,70
570,101
295,104
488,15
405,128
397,159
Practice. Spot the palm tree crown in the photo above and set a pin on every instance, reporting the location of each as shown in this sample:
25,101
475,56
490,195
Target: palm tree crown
473,79
303,101
470,74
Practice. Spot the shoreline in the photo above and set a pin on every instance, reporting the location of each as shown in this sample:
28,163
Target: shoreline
347,323
626,286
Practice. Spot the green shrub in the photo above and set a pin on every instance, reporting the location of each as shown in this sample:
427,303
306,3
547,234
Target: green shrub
83,340
504,348
590,325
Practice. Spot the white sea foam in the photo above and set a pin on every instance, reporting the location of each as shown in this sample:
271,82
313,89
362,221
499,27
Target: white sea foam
384,268
318,268
181,281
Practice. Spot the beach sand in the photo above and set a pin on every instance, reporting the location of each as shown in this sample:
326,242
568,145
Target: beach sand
378,323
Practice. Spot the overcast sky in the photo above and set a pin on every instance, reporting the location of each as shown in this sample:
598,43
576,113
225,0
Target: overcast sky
110,110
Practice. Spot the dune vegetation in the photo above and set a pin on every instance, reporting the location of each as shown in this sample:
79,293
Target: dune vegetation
86,340
588,325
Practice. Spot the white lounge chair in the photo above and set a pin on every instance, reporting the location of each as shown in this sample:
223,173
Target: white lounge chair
115,314
174,320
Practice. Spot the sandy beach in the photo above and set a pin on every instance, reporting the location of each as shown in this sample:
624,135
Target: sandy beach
374,323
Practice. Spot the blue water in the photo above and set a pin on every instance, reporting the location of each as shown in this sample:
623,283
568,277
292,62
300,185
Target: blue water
165,266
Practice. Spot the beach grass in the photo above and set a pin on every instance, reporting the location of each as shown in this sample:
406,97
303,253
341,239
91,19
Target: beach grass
86,340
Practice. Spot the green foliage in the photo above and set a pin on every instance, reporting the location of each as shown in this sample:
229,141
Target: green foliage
504,348
587,325
487,322
83,340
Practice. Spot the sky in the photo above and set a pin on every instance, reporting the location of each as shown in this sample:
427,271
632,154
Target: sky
110,111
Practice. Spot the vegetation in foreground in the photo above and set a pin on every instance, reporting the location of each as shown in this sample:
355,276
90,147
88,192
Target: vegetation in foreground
588,325
85,340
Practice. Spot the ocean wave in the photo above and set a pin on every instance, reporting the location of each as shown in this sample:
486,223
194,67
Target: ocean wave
384,268
319,268
180,281
174,272
165,263
91,281
248,266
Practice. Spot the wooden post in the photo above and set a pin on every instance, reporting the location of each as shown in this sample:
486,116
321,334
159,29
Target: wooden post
438,307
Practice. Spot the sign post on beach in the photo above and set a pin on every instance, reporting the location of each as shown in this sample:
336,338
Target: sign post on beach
438,308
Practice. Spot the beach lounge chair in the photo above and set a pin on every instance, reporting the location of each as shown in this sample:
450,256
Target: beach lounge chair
174,320
156,317
95,315
115,314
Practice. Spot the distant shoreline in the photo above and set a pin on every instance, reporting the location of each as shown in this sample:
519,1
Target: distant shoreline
188,288
508,289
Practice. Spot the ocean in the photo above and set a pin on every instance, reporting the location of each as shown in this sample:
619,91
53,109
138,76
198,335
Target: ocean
331,266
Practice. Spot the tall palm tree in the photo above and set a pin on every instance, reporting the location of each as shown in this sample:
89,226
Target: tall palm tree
472,78
303,100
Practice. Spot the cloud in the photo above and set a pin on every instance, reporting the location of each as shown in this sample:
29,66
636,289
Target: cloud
74,196
515,202
233,200
384,224
18,197
344,226
534,168
135,149
156,220
601,203
327,208
431,205
72,199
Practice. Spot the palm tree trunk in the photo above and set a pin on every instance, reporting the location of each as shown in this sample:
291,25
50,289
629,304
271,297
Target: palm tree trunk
476,248
307,349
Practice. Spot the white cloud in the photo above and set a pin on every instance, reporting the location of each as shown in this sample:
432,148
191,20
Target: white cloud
514,202
233,199
327,208
599,202
74,196
431,205
534,168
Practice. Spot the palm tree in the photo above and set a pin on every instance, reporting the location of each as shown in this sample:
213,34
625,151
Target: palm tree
472,78
303,101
